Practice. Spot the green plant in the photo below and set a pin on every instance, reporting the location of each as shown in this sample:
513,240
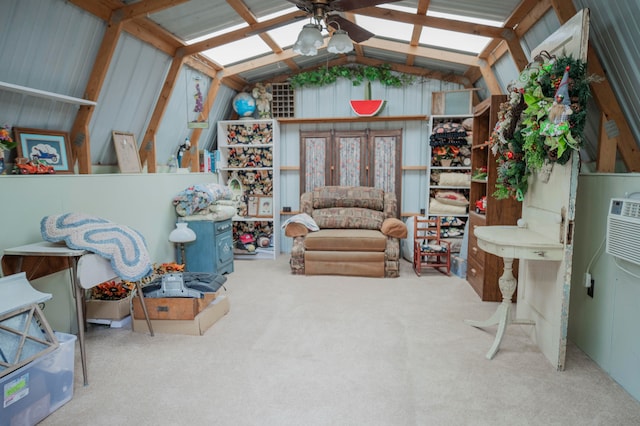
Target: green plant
526,136
356,73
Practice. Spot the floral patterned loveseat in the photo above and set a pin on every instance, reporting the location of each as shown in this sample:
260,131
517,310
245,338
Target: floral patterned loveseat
359,233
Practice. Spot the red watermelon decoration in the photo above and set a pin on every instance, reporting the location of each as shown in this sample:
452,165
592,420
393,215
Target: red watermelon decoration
368,108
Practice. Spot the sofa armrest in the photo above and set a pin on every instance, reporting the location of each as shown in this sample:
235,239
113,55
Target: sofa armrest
295,229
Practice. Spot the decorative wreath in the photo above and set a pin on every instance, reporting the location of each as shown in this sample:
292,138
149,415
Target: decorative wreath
542,121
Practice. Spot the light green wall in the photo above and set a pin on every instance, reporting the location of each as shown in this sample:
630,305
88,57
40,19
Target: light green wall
605,327
141,201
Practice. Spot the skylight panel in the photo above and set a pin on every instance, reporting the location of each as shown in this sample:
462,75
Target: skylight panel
453,40
386,28
238,51
287,35
253,46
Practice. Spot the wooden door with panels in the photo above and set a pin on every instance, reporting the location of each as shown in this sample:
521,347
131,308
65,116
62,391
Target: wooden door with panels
350,165
549,209
352,158
315,159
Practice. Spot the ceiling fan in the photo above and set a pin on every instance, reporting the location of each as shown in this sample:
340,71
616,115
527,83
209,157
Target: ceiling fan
329,12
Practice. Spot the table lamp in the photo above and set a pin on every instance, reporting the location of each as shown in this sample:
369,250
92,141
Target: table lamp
180,235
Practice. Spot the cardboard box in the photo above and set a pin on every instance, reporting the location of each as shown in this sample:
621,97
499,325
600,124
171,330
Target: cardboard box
107,309
195,327
172,308
32,392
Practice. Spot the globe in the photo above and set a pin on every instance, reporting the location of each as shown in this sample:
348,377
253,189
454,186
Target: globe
244,104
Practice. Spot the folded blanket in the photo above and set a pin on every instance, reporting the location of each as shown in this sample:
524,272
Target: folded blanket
123,246
199,197
304,219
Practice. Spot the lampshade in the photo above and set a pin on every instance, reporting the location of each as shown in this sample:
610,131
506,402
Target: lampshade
340,42
311,36
308,40
182,234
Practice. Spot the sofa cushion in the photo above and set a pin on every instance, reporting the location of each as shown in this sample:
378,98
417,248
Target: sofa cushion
348,218
348,196
392,227
363,240
362,264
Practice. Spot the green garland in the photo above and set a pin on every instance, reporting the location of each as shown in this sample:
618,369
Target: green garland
356,73
526,136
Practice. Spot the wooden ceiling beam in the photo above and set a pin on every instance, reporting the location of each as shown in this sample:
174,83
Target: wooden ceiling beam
145,7
241,9
79,135
96,8
147,149
423,6
422,51
520,21
151,33
431,21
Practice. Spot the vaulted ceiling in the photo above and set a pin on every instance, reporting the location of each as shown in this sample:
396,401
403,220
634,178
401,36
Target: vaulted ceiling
191,30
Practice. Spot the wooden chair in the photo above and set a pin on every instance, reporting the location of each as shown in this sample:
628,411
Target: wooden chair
429,249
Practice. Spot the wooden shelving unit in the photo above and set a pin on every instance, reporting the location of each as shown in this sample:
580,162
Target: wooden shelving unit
484,269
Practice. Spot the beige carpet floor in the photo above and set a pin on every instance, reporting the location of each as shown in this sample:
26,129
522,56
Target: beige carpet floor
329,350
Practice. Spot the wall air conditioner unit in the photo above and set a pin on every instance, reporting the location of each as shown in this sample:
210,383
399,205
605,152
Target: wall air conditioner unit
623,229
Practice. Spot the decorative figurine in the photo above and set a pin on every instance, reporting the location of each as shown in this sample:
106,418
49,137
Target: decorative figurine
184,147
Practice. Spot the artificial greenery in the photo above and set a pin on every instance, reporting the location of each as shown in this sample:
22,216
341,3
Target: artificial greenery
356,73
528,134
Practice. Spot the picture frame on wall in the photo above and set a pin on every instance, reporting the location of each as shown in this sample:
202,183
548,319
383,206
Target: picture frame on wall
126,152
50,147
265,206
253,201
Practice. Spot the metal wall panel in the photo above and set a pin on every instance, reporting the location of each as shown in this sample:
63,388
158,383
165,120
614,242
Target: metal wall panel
128,96
197,18
49,55
614,34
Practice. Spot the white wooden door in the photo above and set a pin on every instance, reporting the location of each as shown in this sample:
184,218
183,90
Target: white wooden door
549,209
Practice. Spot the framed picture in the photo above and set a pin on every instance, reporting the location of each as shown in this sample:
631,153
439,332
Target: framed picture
253,201
265,206
127,152
48,146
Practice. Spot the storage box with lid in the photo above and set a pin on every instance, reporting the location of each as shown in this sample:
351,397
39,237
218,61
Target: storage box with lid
36,364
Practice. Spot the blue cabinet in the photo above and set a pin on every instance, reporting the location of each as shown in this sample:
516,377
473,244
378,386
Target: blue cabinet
212,251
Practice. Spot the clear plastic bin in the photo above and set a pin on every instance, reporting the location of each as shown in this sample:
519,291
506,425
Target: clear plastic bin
37,389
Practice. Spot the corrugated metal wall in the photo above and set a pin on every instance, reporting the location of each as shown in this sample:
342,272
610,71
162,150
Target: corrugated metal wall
60,60
48,54
332,101
614,34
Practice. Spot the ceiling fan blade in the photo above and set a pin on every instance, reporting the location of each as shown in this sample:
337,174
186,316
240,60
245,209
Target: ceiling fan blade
347,5
305,5
356,32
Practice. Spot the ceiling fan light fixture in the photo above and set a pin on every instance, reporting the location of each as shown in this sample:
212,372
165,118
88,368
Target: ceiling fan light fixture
311,36
304,50
340,42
